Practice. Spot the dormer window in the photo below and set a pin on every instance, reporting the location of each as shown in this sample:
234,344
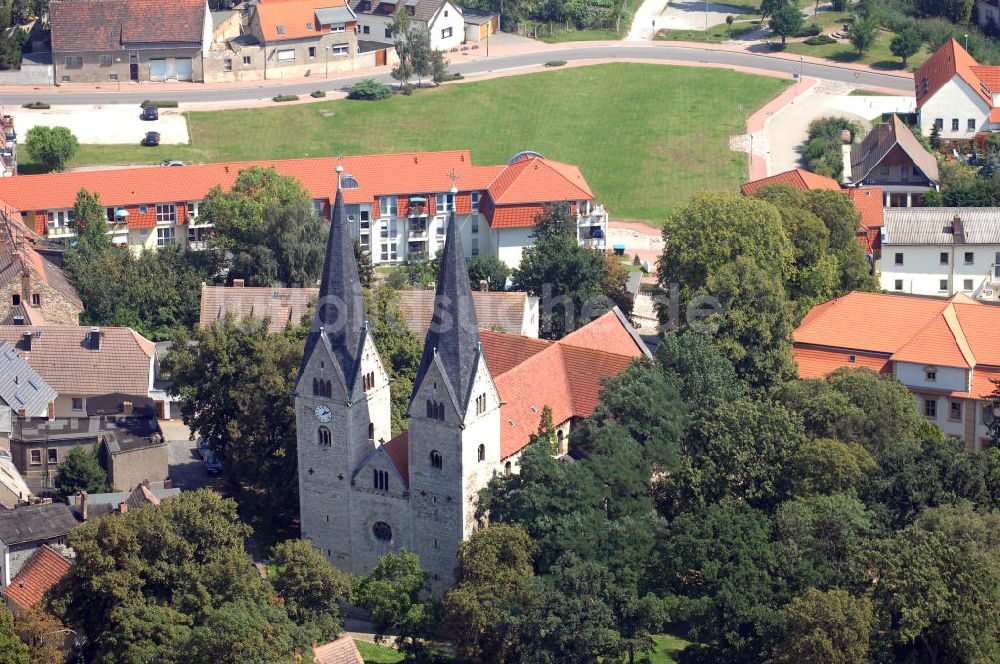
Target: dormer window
309,25
281,30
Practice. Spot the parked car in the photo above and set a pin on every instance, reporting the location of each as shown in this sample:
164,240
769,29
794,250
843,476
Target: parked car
213,466
150,113
174,162
152,138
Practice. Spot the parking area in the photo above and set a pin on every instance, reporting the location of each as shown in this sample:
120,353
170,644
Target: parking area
187,470
114,123
694,15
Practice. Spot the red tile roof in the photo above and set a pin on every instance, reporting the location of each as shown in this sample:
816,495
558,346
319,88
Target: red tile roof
943,65
798,178
957,332
995,116
513,216
341,651
530,374
523,185
42,571
297,18
536,180
868,202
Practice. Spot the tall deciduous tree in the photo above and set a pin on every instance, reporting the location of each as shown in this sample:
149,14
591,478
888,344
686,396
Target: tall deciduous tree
43,633
235,384
395,595
864,32
90,223
906,44
787,20
52,146
12,649
489,269
311,587
832,627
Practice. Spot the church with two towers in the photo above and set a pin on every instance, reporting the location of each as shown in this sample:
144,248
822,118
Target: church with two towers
363,493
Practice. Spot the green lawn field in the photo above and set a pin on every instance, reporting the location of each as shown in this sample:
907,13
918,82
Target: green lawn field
666,648
645,136
373,653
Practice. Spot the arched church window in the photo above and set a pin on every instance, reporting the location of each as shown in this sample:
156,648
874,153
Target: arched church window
440,410
482,452
329,389
559,440
436,460
382,531
506,469
324,437
430,409
380,480
371,431
315,387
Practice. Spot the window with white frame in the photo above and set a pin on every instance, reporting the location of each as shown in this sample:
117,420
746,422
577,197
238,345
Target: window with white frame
286,55
387,206
166,213
165,237
445,33
967,284
59,218
196,235
193,209
338,27
340,49
474,198
474,225
445,202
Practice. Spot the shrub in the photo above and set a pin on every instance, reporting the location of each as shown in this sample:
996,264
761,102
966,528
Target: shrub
285,98
159,103
37,105
555,63
820,40
810,30
823,152
369,90
317,94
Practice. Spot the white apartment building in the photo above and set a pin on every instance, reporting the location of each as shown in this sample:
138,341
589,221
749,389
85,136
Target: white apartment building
941,251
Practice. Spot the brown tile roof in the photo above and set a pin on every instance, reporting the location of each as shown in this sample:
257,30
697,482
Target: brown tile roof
881,140
537,180
943,65
564,375
42,571
798,178
102,25
341,651
508,312
18,256
62,356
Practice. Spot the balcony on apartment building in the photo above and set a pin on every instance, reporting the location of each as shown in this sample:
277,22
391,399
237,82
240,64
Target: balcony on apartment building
592,227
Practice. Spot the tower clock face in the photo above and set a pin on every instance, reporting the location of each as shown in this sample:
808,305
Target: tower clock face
323,413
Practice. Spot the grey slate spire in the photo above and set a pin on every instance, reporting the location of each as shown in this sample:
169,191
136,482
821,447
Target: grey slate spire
340,309
453,336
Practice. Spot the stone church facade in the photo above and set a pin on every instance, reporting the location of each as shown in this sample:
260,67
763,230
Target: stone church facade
363,493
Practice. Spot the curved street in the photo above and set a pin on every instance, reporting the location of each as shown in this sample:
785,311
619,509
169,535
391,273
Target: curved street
652,51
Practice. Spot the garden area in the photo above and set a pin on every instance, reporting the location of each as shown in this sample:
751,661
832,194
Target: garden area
631,153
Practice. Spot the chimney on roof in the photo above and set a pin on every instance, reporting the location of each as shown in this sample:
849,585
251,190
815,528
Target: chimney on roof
123,507
431,285
94,338
127,408
238,283
484,284
81,504
52,410
957,228
27,337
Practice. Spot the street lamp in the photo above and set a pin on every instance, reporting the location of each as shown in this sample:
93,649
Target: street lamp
966,42
326,61
118,74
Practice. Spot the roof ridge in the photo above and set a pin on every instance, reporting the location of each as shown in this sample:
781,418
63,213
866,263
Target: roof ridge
955,327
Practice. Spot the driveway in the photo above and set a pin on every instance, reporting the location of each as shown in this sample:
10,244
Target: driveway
106,123
787,131
187,472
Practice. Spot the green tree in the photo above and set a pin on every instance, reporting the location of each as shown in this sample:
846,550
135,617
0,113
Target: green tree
395,596
235,384
400,30
566,277
53,147
770,8
823,466
311,587
439,67
905,44
143,579
266,222
754,328
398,347
366,271
831,627
12,649
80,471
43,633
90,223
710,231
935,581
993,404
699,369
546,433
10,43
863,34
489,269
243,632
481,612
787,21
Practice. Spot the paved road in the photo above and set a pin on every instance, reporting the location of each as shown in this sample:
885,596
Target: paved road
764,61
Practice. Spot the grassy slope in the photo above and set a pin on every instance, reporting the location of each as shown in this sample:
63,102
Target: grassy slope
376,654
645,136
667,647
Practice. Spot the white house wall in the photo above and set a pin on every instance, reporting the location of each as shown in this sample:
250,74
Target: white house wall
510,243
448,17
955,99
922,271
